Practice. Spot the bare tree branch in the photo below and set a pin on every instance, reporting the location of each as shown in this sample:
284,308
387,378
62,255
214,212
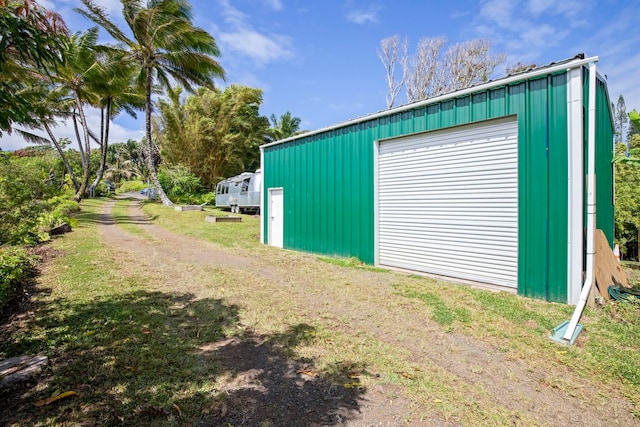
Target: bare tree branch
430,73
423,73
388,53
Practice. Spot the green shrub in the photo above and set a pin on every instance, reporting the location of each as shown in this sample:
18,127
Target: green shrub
127,186
25,190
208,198
103,189
15,265
180,185
58,211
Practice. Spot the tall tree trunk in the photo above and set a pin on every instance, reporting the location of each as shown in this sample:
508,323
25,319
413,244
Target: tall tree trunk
83,157
86,167
54,141
150,164
104,143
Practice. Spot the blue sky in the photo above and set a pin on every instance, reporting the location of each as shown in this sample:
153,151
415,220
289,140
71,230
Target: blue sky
318,59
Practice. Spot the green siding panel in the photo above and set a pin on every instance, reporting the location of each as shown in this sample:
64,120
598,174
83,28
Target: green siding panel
558,189
604,155
535,175
329,189
604,165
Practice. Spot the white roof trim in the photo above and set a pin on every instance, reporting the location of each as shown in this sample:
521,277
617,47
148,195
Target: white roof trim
565,66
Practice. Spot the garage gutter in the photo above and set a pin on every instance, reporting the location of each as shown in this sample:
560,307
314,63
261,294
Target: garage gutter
565,66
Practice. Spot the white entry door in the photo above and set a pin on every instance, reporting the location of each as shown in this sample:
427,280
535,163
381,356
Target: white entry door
276,217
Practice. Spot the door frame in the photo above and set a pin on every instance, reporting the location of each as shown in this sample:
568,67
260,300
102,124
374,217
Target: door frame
270,218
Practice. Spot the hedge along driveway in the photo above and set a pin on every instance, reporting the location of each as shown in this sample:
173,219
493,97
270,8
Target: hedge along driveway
370,346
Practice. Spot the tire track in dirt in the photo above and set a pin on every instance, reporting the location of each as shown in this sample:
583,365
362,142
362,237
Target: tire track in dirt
532,395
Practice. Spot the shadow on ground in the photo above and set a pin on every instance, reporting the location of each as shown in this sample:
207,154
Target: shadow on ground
108,218
265,386
163,359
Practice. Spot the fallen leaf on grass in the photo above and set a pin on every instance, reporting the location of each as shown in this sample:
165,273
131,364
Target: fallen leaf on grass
404,374
352,385
146,331
354,376
52,399
309,373
437,400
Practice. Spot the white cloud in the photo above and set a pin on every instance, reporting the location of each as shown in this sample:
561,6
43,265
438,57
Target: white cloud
242,38
555,7
117,133
111,6
541,36
526,28
259,47
618,55
363,16
499,12
274,4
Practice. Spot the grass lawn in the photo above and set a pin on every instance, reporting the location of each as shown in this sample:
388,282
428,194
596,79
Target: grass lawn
132,344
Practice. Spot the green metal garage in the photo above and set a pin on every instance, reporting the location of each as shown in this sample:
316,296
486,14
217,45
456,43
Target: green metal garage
485,184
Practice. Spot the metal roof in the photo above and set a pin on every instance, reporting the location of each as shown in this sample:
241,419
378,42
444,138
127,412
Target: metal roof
553,67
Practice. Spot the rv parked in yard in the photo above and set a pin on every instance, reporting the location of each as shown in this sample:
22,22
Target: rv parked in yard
240,193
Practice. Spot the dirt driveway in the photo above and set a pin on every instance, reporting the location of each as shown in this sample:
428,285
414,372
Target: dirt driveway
272,388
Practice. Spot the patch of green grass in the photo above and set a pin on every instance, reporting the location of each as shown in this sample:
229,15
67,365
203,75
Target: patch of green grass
123,220
518,310
607,348
130,352
440,312
245,234
351,262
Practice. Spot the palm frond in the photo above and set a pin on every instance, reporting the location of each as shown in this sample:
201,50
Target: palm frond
33,138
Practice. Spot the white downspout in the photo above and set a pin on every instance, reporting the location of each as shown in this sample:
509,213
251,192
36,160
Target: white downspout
262,196
591,206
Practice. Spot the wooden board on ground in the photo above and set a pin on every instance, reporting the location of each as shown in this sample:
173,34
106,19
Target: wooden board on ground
189,208
211,218
608,270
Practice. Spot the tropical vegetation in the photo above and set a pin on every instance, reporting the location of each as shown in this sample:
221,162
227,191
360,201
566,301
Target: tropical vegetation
165,47
53,76
627,176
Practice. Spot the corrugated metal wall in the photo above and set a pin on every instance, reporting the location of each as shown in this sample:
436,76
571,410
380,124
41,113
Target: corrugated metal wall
328,178
604,157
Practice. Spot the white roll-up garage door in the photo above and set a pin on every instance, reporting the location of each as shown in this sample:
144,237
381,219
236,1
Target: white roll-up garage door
448,202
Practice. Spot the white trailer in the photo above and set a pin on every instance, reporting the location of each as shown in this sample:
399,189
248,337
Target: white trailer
240,193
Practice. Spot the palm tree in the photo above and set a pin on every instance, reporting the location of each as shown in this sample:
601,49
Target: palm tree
284,127
31,40
71,90
121,167
167,47
76,78
117,92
